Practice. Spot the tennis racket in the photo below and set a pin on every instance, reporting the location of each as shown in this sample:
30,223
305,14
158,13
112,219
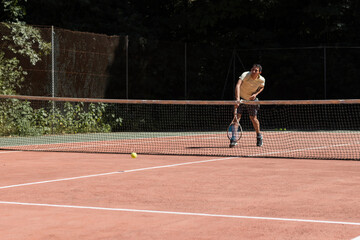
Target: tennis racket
234,131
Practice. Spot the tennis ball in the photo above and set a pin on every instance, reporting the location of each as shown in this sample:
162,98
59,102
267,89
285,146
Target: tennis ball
133,155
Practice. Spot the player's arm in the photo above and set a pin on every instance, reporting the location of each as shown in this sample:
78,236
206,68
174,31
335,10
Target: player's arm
237,95
237,89
257,92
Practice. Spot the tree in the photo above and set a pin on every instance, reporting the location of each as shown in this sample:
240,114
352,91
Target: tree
19,39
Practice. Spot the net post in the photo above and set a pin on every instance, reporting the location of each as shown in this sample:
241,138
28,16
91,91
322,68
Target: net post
53,75
52,62
325,97
127,65
185,70
185,80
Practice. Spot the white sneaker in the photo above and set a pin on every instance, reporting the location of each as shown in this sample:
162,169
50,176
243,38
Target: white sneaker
232,143
259,141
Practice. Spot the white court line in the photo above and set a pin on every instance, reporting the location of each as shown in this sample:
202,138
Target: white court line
58,180
357,238
181,213
110,173
10,151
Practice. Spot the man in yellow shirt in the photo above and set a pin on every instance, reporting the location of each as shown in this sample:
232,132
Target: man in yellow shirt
250,84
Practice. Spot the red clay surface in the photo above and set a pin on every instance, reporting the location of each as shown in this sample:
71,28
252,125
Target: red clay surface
226,198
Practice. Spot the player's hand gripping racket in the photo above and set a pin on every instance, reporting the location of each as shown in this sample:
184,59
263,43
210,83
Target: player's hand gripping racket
234,131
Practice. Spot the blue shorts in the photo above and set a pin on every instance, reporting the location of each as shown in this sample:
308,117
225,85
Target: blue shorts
251,109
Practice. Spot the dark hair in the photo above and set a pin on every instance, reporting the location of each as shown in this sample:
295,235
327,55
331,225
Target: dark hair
258,66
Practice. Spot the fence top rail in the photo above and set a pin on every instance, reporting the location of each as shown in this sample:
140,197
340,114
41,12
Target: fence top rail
181,102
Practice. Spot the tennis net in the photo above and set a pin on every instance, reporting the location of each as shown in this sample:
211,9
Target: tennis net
313,129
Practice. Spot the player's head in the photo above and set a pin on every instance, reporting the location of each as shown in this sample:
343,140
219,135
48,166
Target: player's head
256,66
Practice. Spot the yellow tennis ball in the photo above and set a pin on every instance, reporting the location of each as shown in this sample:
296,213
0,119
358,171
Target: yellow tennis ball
133,155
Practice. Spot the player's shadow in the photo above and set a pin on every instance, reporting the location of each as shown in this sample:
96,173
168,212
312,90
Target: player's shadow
217,147
206,147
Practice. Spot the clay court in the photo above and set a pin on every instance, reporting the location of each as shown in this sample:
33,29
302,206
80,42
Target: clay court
52,195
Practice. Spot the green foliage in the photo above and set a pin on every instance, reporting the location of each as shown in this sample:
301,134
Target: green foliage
13,10
21,40
26,41
19,118
11,75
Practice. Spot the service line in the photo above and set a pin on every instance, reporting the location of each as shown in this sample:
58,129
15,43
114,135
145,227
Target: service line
117,172
182,213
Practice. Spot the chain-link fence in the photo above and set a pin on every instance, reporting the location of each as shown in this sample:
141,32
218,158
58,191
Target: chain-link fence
100,66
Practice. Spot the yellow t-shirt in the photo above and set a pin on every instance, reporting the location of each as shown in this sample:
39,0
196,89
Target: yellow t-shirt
249,85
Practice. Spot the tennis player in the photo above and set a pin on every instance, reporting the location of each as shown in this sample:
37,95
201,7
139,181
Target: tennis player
249,86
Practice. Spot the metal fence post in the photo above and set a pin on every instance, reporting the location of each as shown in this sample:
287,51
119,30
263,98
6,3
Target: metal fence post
325,97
